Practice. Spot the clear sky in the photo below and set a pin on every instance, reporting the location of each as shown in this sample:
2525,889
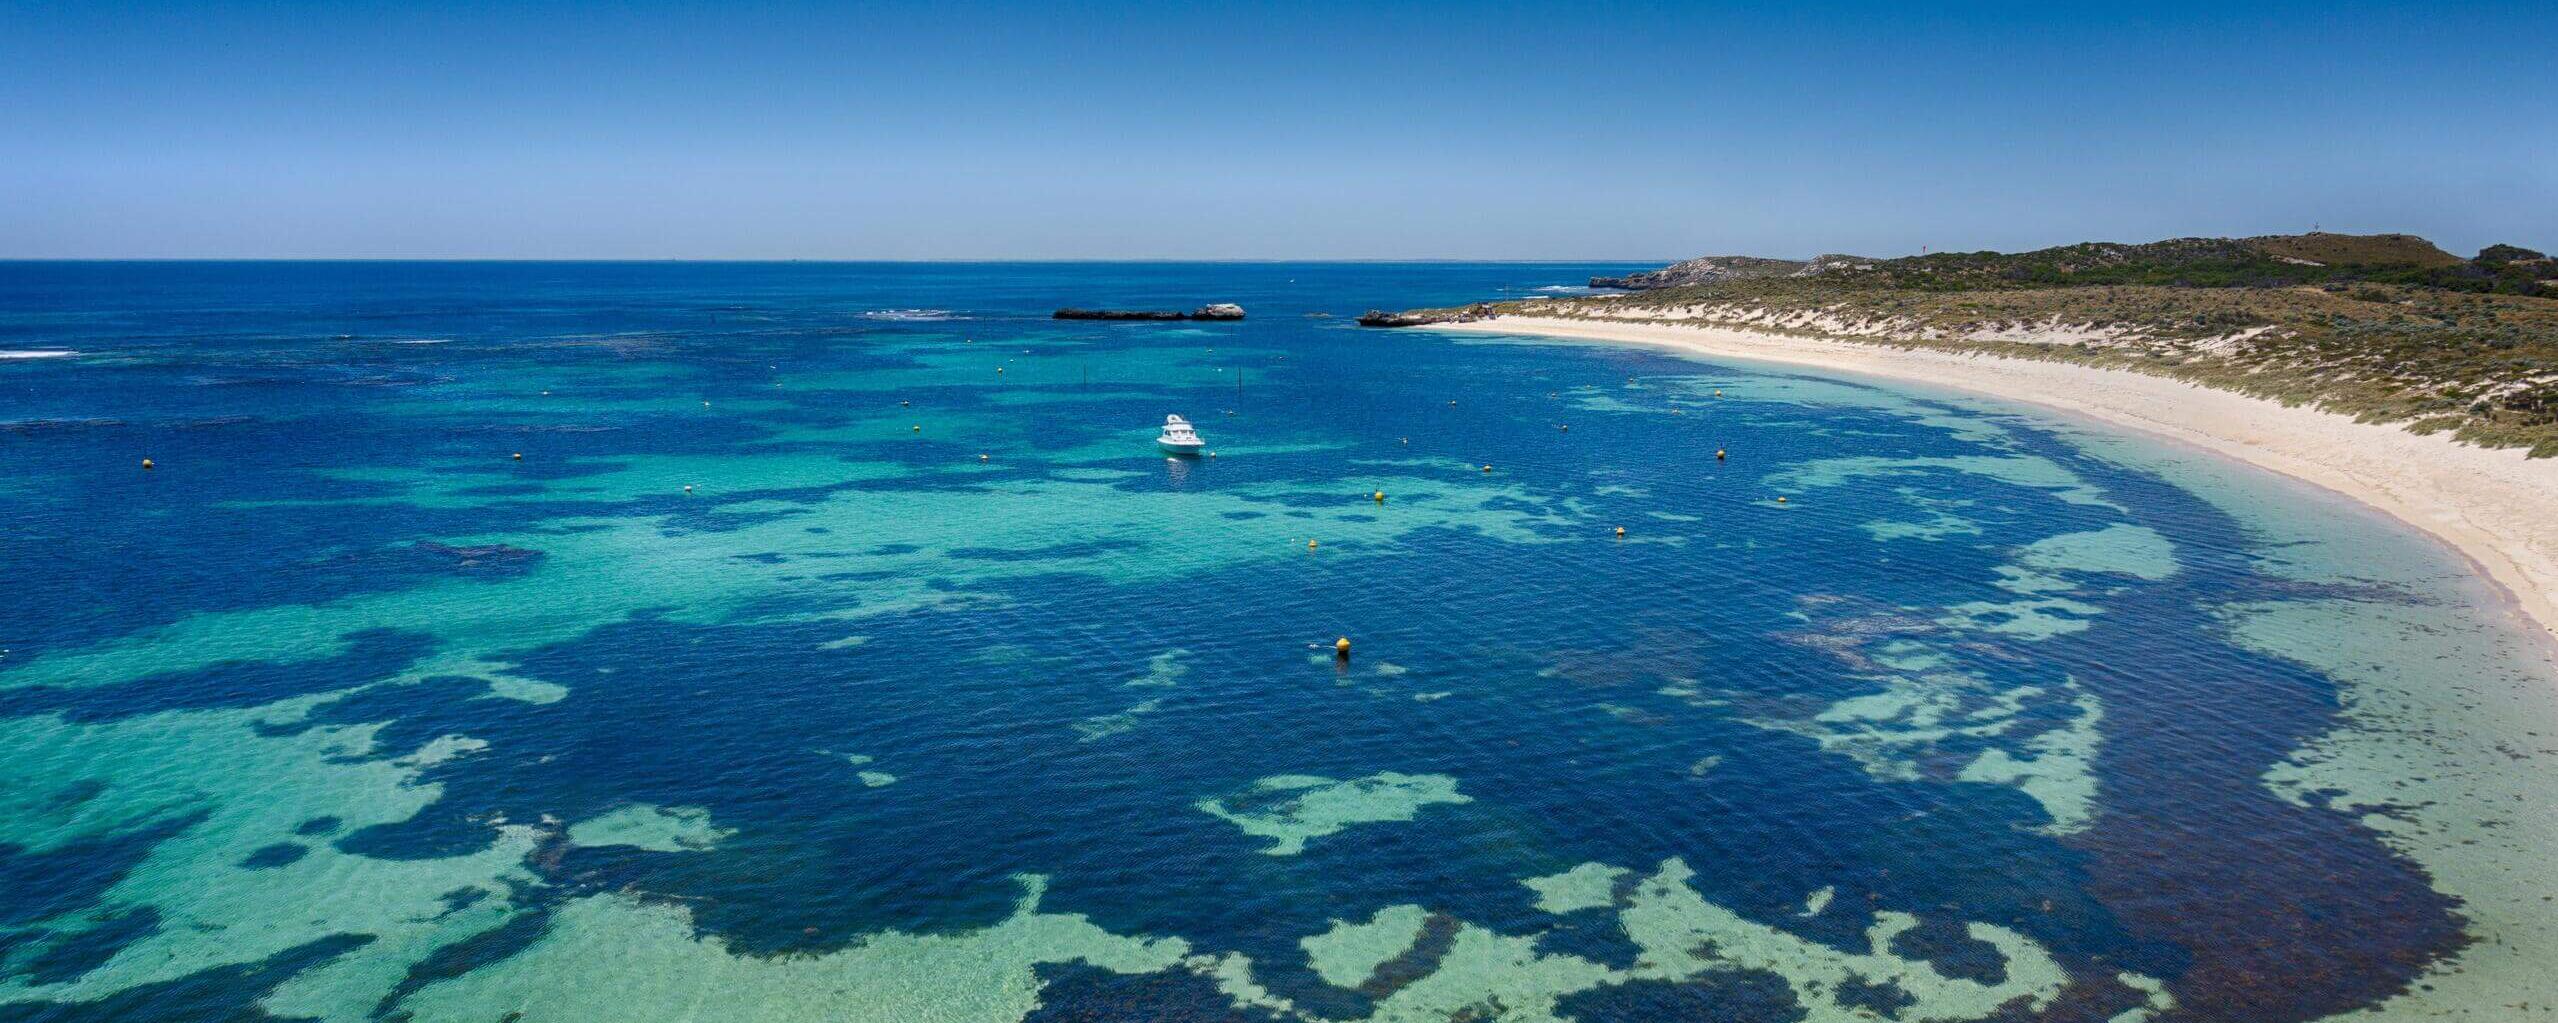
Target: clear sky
1278,130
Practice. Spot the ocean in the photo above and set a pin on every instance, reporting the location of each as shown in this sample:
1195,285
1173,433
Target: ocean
813,641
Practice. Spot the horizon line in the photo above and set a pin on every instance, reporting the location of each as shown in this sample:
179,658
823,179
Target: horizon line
829,260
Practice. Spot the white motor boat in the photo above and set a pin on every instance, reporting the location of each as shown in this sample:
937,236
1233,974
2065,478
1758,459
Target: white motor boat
1179,438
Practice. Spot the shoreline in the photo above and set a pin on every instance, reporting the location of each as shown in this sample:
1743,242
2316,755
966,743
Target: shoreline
2493,506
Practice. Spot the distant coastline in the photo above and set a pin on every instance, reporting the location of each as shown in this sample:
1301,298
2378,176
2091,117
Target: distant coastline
2494,505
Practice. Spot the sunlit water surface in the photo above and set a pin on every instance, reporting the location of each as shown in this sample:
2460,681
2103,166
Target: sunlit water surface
840,647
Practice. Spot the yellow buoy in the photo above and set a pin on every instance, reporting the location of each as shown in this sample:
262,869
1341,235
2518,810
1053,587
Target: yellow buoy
1718,392
1380,496
1341,647
1487,468
1780,500
1620,530
919,428
1212,454
519,456
1718,454
999,371
981,458
1310,545
148,464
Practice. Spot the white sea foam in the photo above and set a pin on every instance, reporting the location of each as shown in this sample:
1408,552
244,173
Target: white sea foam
912,315
36,353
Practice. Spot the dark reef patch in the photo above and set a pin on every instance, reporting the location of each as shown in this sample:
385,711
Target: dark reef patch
1723,996
227,994
270,856
1078,993
67,955
36,886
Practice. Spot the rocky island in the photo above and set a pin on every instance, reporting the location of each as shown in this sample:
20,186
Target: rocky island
1211,311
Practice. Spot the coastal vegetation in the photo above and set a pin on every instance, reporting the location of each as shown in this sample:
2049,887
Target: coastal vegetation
2386,328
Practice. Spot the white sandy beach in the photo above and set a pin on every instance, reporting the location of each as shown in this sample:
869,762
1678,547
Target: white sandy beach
2495,506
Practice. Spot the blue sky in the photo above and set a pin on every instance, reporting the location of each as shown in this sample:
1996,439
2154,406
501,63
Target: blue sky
1209,130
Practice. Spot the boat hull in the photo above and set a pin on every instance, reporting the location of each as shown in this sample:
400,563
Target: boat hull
1181,448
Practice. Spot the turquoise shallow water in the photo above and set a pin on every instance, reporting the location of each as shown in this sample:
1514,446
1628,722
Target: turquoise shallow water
941,695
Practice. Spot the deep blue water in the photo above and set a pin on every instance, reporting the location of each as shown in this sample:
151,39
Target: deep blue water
1965,671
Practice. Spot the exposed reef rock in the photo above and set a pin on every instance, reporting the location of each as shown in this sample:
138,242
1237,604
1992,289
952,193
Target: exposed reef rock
1417,317
1211,311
